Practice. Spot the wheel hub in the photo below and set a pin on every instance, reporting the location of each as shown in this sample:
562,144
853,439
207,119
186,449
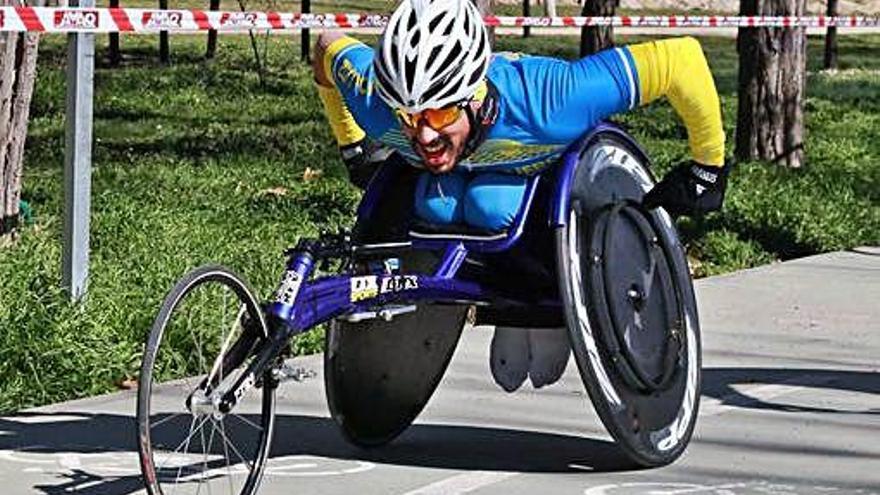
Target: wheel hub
639,314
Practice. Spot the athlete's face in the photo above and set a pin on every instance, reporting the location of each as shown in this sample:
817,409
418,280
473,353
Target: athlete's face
440,146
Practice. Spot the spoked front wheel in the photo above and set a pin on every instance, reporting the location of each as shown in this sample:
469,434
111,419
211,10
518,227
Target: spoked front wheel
201,343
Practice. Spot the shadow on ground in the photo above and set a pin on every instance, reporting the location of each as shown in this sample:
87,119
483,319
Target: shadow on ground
104,444
720,383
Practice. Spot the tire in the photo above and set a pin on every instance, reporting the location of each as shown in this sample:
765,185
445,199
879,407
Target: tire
379,375
651,420
209,314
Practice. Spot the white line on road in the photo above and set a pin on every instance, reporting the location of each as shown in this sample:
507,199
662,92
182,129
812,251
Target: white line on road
462,483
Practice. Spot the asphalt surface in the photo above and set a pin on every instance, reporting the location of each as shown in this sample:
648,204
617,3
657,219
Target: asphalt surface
790,405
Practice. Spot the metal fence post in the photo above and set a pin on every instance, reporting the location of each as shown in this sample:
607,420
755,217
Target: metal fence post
77,159
163,37
114,56
305,38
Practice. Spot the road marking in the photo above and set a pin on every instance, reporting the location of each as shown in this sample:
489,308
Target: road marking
126,463
755,394
462,483
36,418
660,488
684,488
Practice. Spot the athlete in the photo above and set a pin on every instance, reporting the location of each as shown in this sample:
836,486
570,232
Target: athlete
479,124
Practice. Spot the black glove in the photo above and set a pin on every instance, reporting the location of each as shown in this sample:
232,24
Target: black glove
362,159
690,189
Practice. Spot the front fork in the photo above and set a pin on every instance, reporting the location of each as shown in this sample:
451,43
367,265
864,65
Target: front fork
278,312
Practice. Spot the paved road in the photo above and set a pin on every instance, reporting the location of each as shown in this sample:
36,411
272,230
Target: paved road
791,405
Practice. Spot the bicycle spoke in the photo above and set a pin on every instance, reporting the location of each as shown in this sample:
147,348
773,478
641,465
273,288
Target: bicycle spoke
189,329
231,445
210,443
186,440
185,449
247,421
218,362
165,420
204,460
226,455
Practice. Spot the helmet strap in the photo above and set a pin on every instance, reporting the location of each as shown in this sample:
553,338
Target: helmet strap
481,120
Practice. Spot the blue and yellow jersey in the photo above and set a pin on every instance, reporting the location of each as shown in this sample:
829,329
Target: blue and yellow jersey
544,103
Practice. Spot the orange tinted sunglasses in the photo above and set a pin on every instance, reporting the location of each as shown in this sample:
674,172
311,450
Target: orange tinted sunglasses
436,118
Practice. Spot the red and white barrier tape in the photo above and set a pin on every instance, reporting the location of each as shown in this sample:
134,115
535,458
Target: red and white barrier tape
103,20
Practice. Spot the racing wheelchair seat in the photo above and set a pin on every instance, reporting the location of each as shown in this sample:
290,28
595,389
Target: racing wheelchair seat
581,253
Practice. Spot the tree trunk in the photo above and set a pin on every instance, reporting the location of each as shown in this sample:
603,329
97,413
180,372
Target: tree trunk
831,38
485,7
18,69
597,38
211,49
772,73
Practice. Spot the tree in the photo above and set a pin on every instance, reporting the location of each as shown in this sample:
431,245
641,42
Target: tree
772,74
597,38
831,38
18,69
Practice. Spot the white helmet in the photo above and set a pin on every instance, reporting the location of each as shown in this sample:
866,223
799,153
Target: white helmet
433,53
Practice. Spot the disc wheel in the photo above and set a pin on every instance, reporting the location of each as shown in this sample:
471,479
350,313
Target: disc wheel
201,342
629,306
379,375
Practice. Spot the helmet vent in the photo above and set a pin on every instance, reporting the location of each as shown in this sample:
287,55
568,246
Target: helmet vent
435,52
450,88
475,77
453,54
409,71
482,45
432,91
394,55
414,41
435,22
386,85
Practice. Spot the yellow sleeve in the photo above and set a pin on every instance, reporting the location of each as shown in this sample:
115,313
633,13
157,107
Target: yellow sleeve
677,69
345,128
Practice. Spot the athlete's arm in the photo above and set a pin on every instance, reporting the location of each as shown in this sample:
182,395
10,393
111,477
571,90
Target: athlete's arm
345,129
677,69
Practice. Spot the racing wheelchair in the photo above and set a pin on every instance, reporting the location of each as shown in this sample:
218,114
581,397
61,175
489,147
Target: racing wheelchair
582,253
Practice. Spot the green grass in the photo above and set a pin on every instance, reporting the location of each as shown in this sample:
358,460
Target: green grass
189,160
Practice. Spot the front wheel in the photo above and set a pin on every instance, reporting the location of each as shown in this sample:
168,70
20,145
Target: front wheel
201,342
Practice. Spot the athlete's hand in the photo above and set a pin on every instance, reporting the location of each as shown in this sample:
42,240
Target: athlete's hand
362,159
690,189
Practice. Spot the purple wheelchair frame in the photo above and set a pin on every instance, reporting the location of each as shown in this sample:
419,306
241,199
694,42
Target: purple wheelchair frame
299,304
308,303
